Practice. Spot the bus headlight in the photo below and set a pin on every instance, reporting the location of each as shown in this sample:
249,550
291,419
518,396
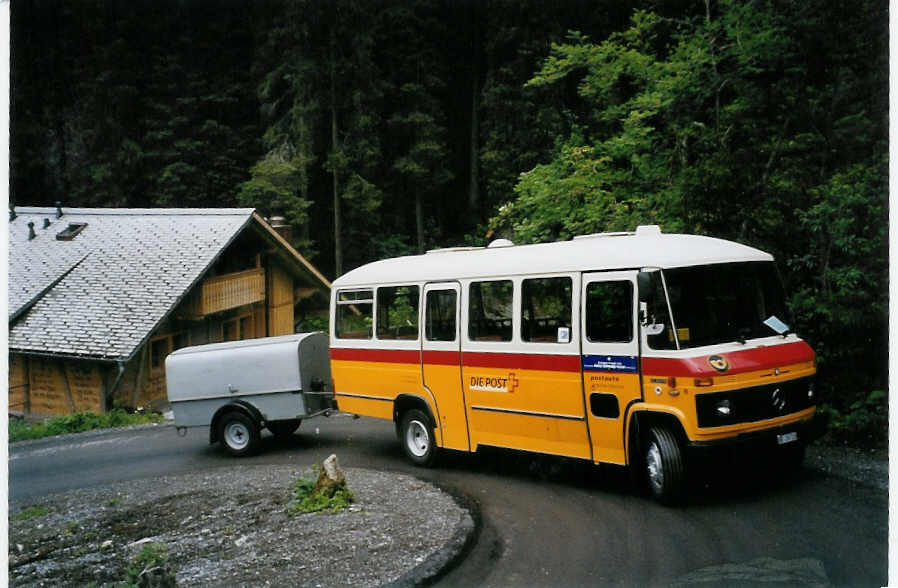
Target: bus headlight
723,408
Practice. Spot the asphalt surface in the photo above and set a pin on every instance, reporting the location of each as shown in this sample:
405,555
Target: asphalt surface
544,520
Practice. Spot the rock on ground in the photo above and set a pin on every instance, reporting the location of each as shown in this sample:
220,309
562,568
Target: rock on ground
230,527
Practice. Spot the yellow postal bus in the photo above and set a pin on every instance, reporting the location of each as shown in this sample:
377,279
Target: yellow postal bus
622,348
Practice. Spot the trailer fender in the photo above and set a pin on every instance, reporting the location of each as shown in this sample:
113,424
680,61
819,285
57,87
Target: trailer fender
239,406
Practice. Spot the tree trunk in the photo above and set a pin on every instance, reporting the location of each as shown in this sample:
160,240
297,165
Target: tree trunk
338,240
474,178
419,221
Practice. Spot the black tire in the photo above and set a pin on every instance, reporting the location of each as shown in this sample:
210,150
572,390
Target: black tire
416,437
665,467
239,434
283,430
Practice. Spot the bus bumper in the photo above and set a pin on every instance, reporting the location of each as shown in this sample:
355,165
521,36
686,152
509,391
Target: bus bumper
802,432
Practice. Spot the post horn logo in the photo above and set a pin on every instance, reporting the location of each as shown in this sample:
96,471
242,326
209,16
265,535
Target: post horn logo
719,363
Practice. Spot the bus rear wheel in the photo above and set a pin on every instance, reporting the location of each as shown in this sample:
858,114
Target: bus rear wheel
664,466
416,436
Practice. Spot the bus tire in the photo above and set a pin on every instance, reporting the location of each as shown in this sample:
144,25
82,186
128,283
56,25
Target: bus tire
416,437
238,433
665,467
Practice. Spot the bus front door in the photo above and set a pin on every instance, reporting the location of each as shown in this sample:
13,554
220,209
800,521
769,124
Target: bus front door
441,361
610,359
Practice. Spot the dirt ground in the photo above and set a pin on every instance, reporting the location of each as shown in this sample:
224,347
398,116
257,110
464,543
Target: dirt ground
232,528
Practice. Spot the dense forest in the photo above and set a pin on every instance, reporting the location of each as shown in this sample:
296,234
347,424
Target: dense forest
390,127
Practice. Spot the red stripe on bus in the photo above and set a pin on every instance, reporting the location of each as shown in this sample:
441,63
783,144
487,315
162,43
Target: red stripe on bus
441,357
379,355
523,361
740,361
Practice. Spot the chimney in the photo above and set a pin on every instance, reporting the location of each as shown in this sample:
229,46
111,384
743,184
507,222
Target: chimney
58,209
46,223
279,224
31,233
12,213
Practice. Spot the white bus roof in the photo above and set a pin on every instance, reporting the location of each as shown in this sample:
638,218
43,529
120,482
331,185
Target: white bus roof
647,247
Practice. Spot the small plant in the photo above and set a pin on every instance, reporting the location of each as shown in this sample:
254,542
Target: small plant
309,495
151,556
30,513
114,502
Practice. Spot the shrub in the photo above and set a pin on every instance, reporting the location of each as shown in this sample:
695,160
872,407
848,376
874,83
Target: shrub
307,497
78,422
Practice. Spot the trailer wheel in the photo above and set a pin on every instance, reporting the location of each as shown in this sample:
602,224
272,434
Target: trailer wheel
283,430
239,434
416,436
664,466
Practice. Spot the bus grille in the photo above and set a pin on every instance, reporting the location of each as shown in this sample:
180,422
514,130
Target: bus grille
754,404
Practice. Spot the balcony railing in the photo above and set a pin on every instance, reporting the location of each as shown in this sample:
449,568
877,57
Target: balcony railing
227,291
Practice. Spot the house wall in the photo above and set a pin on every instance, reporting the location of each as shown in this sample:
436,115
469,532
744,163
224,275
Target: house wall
49,387
42,386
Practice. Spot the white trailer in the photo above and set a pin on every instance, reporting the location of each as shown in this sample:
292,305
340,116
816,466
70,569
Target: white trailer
240,387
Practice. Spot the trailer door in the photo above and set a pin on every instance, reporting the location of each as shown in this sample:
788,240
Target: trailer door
610,358
441,360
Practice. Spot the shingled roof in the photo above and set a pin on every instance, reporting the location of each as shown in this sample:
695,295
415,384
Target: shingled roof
101,294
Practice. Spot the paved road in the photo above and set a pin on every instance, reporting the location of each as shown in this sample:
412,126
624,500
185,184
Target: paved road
545,521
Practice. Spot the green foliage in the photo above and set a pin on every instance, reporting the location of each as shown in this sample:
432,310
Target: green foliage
307,500
737,122
78,422
151,556
30,513
864,423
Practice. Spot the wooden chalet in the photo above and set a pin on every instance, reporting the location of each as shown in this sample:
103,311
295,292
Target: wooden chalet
99,297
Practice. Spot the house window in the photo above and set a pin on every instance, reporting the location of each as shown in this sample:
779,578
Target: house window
160,347
237,328
70,232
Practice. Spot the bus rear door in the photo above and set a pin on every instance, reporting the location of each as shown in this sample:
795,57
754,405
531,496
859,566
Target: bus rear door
441,361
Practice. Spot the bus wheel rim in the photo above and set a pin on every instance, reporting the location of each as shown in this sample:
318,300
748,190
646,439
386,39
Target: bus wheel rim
417,438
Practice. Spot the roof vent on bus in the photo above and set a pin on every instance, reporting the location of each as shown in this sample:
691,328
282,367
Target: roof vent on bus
499,243
648,231
597,235
453,249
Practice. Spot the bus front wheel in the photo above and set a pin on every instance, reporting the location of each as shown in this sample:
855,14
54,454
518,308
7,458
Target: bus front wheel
416,436
664,466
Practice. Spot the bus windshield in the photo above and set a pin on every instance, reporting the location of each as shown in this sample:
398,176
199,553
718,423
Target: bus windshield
721,303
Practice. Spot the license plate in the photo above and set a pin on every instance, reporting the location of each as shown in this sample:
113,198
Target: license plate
787,438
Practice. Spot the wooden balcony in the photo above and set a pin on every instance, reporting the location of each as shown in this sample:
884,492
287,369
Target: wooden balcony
224,292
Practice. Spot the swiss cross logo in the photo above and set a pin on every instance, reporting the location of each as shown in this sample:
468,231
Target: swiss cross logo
512,382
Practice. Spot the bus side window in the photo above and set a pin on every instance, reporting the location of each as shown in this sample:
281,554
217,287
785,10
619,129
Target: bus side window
609,312
546,310
354,314
489,316
397,313
440,317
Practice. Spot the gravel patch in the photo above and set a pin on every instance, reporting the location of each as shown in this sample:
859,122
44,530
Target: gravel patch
869,467
231,528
